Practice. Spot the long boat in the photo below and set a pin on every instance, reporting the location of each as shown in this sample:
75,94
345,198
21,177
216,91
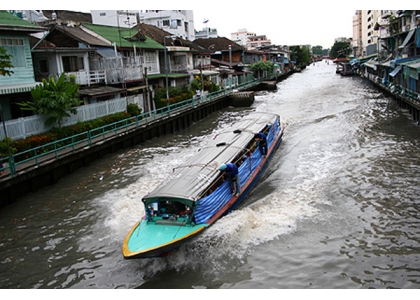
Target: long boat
197,193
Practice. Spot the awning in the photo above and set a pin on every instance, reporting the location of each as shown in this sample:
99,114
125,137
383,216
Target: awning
407,39
396,70
412,68
106,52
414,64
136,88
370,64
17,88
101,91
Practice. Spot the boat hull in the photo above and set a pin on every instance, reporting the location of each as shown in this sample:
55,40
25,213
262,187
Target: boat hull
148,240
154,236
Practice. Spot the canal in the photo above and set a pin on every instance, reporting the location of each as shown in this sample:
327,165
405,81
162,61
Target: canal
337,208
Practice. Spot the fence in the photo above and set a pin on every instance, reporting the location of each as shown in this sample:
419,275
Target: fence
24,127
59,148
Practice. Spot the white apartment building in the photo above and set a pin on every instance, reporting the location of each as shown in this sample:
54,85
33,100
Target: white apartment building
117,18
242,36
369,26
357,43
177,22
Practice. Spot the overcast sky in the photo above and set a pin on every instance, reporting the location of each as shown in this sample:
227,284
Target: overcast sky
286,22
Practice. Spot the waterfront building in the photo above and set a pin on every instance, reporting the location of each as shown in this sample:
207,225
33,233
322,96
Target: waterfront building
177,22
357,43
254,42
14,38
242,36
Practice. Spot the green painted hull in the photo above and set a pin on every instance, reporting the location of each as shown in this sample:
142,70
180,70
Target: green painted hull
148,239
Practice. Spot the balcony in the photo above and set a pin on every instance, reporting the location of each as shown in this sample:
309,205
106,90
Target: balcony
89,78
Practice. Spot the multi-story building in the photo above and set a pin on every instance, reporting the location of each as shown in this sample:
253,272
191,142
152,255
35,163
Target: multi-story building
117,18
254,42
242,36
370,37
206,33
14,38
177,22
357,43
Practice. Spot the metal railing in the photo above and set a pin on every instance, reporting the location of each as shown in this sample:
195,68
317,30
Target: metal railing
53,150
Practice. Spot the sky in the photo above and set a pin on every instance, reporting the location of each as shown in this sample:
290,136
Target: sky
292,22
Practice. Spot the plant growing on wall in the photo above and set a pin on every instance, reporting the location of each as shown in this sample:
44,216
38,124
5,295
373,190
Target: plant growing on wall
5,62
55,99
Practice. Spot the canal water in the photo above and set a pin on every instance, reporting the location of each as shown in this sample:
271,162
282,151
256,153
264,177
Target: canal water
338,207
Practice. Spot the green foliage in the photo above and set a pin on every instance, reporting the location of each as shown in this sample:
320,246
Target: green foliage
263,66
340,48
4,151
317,50
196,83
5,62
54,99
209,86
300,55
133,109
175,95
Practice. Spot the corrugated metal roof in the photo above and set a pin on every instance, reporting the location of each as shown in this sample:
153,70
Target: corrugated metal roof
193,178
120,36
11,22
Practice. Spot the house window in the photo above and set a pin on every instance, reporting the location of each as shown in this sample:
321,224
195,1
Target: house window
165,22
43,65
72,63
180,60
16,48
102,14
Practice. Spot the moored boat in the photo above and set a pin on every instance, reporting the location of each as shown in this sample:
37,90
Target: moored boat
197,194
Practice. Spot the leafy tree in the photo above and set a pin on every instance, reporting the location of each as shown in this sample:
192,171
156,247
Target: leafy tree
300,55
340,48
5,62
54,99
317,50
262,66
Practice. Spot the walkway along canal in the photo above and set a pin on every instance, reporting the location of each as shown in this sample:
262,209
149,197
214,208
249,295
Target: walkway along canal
45,169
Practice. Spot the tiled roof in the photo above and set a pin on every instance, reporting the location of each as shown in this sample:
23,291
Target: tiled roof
158,35
11,22
218,44
121,35
80,35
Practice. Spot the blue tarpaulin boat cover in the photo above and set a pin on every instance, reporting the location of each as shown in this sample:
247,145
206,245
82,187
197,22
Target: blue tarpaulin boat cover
191,182
210,205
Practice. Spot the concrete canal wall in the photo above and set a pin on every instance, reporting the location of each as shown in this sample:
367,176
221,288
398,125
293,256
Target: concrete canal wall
32,178
51,171
405,102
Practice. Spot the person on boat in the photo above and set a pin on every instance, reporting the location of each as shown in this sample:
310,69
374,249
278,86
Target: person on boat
262,143
232,171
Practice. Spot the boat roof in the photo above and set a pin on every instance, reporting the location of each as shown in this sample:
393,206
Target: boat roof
192,179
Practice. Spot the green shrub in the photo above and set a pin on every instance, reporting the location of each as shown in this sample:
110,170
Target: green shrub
3,147
133,109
